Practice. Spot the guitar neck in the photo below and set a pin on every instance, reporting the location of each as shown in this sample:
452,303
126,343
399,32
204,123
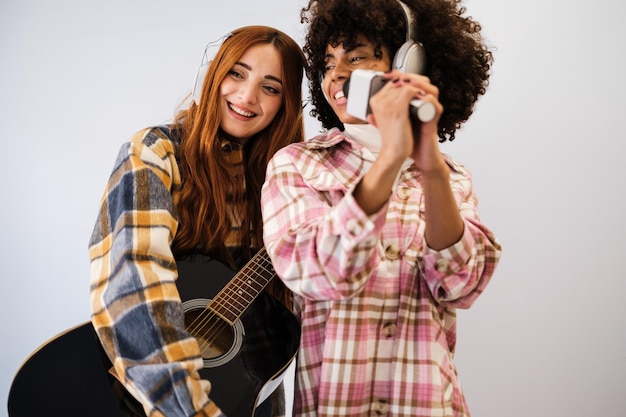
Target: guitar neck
233,300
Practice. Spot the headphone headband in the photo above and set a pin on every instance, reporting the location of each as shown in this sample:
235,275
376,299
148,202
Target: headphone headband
204,67
410,57
410,21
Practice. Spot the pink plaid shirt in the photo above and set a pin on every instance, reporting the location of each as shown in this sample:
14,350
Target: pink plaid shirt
377,305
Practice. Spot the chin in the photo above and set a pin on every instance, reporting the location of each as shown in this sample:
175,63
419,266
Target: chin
346,119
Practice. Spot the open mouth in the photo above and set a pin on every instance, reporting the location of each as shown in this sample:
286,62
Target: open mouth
241,111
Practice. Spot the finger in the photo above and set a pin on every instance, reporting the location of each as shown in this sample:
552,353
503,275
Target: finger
421,83
371,120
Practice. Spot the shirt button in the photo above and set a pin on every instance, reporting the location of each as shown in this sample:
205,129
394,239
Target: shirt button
404,193
353,226
380,407
389,330
442,265
392,252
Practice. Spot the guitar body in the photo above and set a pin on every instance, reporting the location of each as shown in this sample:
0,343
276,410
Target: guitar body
69,375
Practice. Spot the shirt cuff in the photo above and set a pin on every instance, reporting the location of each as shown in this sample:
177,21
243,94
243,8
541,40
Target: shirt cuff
451,259
357,225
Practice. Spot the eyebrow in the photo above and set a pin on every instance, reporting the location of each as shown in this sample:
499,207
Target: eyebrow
268,77
357,46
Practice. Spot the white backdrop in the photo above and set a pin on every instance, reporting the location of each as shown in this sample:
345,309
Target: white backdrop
547,338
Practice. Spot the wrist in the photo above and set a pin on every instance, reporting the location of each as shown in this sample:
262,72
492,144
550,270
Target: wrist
439,170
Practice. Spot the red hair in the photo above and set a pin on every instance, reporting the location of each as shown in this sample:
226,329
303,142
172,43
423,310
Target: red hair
203,209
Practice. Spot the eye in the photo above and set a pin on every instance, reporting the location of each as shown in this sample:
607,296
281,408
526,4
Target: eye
271,90
356,59
235,74
328,67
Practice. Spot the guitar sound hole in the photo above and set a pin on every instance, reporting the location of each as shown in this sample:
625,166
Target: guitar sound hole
219,341
215,336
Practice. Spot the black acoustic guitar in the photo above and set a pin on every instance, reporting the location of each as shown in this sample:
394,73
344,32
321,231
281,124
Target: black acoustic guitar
248,341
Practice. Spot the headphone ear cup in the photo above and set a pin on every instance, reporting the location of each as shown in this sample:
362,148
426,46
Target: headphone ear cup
410,58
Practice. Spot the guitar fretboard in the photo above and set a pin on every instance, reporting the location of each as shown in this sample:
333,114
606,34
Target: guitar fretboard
233,300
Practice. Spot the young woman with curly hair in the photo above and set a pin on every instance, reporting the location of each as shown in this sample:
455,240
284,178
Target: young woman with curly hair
373,228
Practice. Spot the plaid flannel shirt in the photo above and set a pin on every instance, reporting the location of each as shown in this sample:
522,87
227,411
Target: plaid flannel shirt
377,305
136,308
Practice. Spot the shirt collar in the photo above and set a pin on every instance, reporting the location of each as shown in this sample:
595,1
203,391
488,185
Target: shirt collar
233,150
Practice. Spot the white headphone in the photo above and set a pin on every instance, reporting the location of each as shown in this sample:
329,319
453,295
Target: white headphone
410,57
204,67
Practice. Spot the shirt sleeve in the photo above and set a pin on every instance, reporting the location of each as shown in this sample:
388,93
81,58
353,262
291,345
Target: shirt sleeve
321,249
136,308
323,246
457,275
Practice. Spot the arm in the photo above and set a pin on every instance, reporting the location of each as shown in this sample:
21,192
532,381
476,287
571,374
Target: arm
136,309
459,273
401,139
461,253
322,244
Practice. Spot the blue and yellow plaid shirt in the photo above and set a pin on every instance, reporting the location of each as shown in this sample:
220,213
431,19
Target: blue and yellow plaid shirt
136,309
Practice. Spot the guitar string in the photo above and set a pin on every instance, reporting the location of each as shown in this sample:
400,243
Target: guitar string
199,325
219,324
202,321
227,292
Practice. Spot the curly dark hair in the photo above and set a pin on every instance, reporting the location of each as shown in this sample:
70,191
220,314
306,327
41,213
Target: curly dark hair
457,60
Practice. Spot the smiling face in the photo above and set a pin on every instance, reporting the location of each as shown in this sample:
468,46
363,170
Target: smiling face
339,65
251,93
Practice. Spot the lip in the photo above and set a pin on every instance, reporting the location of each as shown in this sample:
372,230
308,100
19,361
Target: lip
341,101
242,113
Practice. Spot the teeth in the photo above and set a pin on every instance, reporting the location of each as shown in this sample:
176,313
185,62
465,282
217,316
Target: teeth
239,111
339,95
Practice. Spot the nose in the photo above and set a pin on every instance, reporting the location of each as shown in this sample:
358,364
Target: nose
248,92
